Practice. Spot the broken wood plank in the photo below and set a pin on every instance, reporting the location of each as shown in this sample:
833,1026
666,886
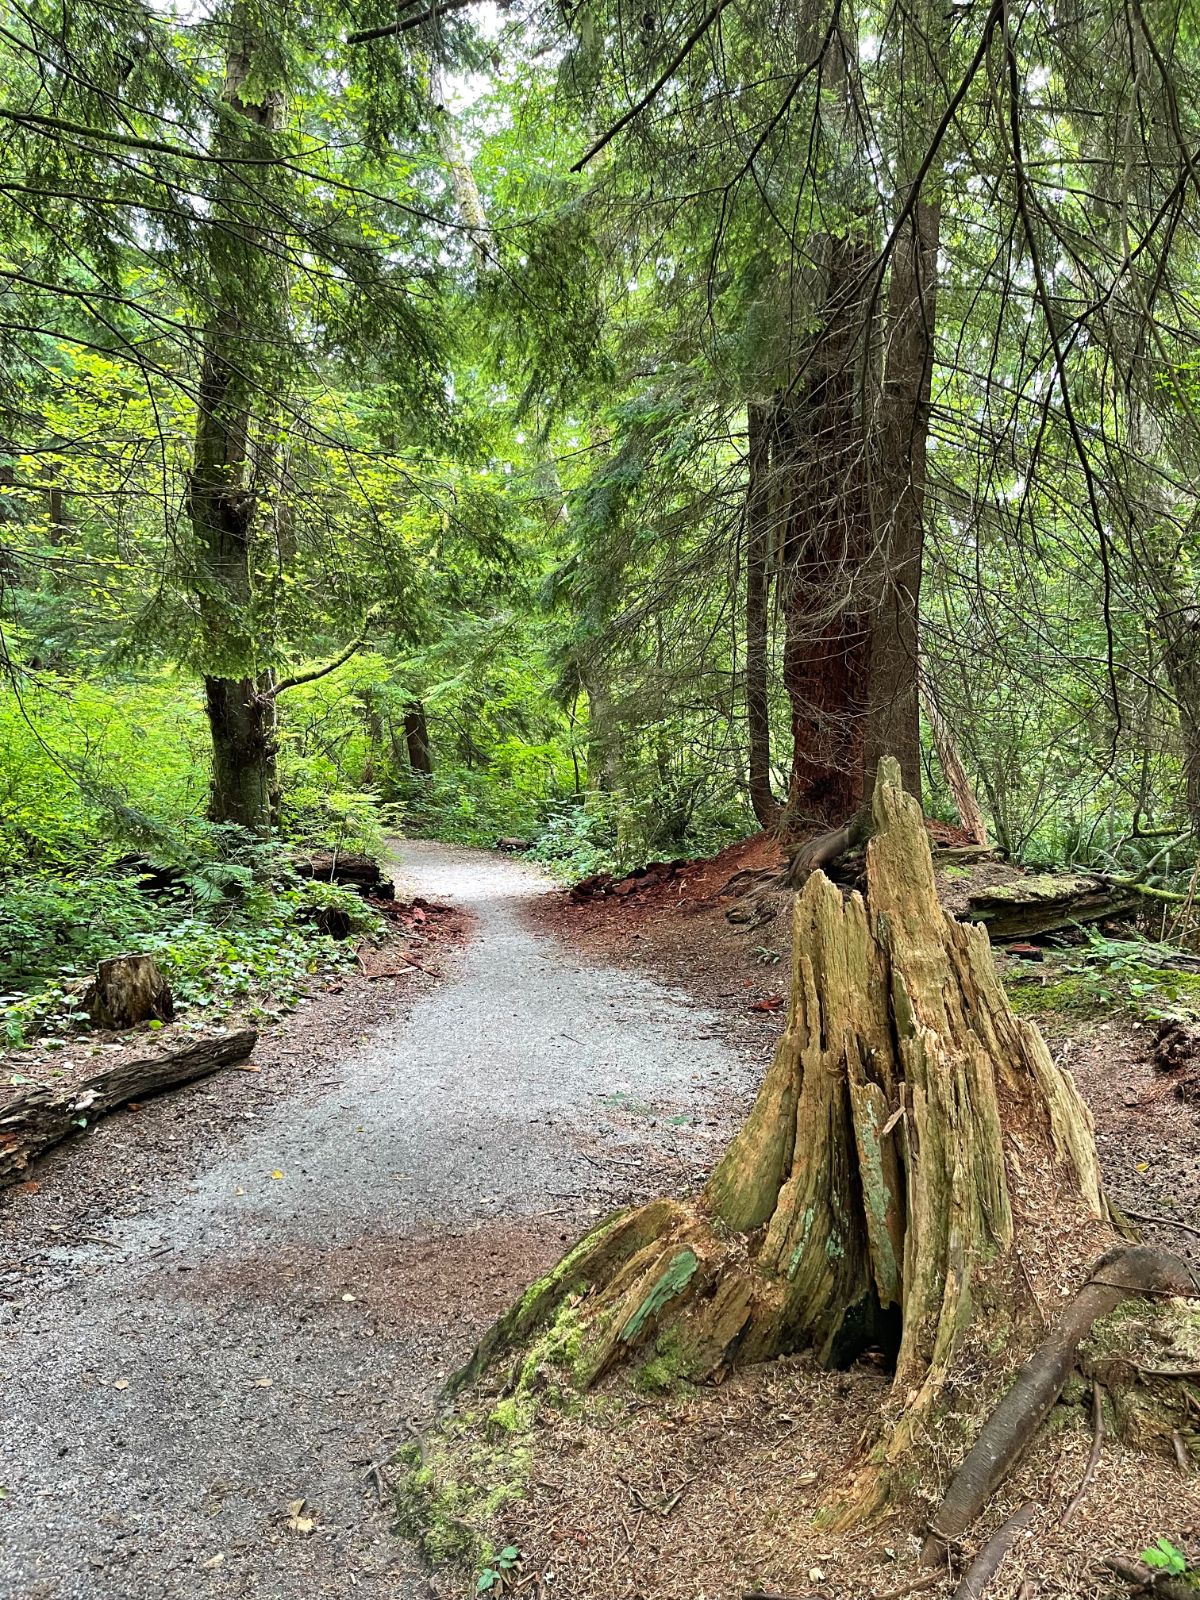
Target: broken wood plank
32,1122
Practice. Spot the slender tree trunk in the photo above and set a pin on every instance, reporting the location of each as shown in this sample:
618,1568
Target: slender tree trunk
601,750
901,424
894,724
241,712
953,770
416,735
467,198
758,590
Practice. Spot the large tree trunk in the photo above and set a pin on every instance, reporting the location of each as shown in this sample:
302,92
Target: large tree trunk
901,435
820,439
241,712
869,1197
758,590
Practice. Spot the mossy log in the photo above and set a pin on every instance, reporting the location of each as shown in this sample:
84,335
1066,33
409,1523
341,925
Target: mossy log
909,1133
1045,901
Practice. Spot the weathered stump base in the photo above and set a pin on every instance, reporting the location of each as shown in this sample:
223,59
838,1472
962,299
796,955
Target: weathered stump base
912,1148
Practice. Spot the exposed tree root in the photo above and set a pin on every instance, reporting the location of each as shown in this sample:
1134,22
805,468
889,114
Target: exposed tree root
1007,1433
987,1563
1093,1460
1145,1580
825,849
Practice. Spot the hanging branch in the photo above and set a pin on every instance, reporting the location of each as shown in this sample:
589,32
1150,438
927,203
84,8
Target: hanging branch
299,678
652,93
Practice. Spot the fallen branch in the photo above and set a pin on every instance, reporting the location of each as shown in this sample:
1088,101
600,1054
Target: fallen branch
33,1122
1162,1222
987,1563
1122,1272
1093,1455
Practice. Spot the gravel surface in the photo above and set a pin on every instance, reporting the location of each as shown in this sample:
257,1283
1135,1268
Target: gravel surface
269,1313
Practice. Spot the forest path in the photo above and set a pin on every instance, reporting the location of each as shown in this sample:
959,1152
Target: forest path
262,1337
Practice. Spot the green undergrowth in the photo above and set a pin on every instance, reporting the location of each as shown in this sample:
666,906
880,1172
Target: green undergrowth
228,934
1134,977
102,779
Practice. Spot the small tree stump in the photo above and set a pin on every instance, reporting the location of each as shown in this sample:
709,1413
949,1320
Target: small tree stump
128,990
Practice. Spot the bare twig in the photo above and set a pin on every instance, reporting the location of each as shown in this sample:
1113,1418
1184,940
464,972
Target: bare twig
1165,1222
1093,1455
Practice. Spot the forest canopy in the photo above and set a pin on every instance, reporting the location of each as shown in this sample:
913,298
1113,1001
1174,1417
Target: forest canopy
613,427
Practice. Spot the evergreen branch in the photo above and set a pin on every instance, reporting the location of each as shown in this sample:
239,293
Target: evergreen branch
652,93
394,29
299,678
132,141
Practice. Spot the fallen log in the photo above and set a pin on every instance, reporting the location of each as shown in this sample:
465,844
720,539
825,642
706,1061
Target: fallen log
1045,901
153,878
362,873
32,1122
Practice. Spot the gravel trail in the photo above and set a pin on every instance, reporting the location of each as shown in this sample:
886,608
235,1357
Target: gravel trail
260,1334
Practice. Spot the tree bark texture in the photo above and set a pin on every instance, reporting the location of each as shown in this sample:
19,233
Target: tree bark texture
128,990
900,426
758,591
826,542
241,714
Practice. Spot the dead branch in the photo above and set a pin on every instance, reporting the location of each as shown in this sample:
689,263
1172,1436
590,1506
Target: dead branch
1093,1455
1147,1581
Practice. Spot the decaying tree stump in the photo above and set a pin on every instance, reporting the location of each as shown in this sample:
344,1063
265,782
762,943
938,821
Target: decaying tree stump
128,990
31,1122
911,1133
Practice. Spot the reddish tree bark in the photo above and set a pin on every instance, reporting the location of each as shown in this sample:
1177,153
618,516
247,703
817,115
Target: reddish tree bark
825,552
